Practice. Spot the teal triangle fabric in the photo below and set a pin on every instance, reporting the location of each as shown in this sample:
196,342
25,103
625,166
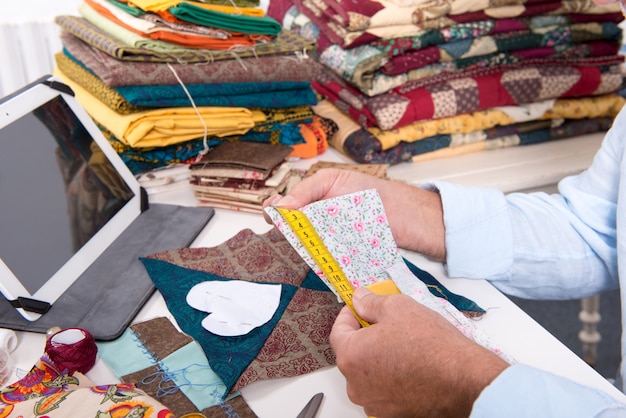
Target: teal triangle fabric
228,356
463,304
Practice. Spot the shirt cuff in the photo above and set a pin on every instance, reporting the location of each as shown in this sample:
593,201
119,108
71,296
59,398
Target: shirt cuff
523,391
478,235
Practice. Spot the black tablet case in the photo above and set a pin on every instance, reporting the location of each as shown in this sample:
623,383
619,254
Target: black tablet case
108,295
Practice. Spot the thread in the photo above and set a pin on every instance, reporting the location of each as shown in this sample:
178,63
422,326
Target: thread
73,349
171,381
205,142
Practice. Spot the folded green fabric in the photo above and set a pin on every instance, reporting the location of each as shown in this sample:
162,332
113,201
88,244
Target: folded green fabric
263,25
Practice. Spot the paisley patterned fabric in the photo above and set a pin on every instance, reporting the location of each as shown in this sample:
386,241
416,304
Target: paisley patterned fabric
51,392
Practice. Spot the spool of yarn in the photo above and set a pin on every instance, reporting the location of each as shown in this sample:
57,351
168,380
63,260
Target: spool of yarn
73,349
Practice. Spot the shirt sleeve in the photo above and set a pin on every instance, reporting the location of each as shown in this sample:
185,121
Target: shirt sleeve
523,391
538,245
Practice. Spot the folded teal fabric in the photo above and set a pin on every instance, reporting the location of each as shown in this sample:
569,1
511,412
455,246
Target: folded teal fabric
263,25
279,95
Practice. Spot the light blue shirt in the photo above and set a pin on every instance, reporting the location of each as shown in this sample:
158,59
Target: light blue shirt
540,246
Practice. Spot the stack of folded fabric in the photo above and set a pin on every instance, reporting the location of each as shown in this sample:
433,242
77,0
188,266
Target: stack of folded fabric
410,79
169,80
240,176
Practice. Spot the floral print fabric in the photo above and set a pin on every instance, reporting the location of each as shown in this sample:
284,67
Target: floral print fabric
357,234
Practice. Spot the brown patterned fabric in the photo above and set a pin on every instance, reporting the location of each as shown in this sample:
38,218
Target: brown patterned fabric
115,72
245,256
151,334
299,343
286,42
235,407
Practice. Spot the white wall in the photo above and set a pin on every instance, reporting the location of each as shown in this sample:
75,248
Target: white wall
29,38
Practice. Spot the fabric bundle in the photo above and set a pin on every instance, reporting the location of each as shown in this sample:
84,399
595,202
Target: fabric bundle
394,70
241,176
169,81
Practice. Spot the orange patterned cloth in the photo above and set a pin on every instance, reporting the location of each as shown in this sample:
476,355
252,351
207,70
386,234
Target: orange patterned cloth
52,392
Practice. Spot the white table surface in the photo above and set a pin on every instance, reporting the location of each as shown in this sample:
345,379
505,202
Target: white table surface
506,324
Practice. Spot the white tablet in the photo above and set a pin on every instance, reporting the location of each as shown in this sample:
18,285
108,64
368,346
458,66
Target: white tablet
65,195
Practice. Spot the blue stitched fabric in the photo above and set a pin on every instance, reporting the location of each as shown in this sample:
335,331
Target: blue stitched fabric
189,369
228,356
136,357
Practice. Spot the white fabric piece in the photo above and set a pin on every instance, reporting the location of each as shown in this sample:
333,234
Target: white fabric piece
236,307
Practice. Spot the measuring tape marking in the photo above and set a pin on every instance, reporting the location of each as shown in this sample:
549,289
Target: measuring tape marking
310,239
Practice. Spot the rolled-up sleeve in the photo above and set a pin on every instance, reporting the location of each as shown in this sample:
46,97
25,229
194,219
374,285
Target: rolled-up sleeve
532,245
523,391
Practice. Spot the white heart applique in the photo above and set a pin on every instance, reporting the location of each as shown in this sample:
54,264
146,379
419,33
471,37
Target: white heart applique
236,307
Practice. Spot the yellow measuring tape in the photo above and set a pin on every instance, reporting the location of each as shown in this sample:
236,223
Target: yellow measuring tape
310,239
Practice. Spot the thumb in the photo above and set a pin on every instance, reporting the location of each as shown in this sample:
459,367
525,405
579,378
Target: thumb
290,202
368,305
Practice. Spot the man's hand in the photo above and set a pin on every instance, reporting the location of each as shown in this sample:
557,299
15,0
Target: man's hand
410,362
415,215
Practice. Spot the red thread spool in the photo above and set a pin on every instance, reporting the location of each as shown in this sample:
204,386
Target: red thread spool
73,349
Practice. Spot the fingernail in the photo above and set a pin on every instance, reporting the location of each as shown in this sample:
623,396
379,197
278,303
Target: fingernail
272,200
286,201
360,293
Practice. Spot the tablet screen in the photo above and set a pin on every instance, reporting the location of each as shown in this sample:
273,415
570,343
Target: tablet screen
58,189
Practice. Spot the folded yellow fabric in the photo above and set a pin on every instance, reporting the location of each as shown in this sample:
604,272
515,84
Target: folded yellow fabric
163,5
154,5
574,108
165,126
